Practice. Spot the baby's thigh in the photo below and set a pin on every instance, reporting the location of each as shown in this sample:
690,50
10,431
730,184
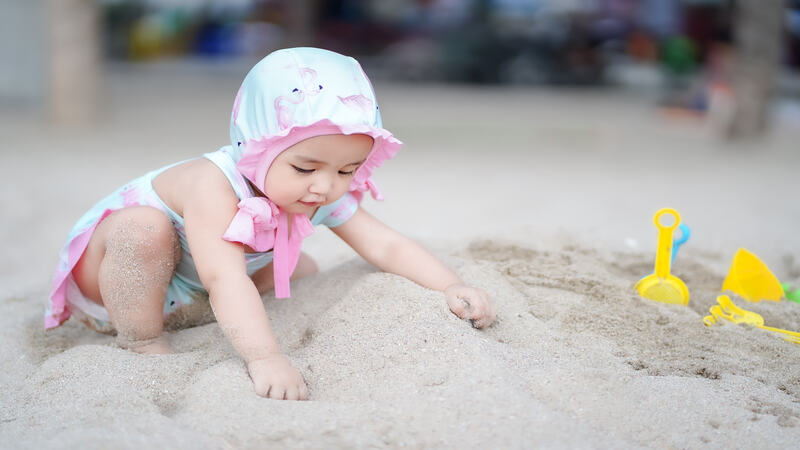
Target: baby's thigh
142,226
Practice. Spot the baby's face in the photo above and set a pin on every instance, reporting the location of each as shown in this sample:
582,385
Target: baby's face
316,171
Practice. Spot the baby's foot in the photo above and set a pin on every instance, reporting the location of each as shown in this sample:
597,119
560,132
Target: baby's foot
154,346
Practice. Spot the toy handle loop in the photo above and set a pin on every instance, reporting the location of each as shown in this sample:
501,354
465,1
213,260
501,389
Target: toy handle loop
664,246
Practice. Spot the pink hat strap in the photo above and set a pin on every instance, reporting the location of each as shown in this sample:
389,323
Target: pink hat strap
260,224
287,249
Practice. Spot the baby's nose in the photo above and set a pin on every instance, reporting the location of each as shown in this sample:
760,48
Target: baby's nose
321,185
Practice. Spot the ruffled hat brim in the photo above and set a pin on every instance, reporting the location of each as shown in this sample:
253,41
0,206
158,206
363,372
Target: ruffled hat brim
259,154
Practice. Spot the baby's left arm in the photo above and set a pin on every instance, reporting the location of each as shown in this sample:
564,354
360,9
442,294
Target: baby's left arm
392,252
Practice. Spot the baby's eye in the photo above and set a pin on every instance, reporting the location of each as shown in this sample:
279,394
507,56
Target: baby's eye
345,172
301,170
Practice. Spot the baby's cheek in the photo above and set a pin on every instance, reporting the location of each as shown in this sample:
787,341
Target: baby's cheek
345,184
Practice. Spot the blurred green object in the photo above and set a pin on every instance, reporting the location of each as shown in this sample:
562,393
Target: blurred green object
679,54
791,295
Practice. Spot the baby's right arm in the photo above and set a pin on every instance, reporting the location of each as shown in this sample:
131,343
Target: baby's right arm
234,298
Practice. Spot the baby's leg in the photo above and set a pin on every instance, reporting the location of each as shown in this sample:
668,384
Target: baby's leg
132,255
265,281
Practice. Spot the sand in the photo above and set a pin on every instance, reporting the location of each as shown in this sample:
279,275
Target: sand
553,218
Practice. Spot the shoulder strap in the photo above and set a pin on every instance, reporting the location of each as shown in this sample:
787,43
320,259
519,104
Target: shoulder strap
224,159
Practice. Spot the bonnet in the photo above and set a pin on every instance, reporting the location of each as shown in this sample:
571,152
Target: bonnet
292,95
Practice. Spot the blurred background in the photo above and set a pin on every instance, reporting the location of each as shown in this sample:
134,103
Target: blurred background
727,58
524,118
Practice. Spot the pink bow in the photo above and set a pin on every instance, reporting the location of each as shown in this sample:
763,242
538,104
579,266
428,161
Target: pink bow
254,223
260,224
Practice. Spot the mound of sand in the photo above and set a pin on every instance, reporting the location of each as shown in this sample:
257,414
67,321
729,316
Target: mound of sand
575,359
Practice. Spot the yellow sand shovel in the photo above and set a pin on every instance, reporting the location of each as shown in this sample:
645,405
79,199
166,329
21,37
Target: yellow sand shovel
661,286
728,310
750,278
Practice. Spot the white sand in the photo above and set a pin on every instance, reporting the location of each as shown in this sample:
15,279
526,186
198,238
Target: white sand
544,199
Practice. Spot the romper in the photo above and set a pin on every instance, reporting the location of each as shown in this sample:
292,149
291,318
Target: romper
185,289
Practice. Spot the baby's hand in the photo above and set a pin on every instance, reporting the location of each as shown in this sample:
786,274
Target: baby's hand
276,378
470,303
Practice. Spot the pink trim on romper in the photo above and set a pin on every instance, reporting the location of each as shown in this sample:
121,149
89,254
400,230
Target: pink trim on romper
344,208
58,297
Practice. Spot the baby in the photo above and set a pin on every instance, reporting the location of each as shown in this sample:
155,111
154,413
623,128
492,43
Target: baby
306,135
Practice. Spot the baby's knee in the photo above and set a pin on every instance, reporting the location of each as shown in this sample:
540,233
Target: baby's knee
306,266
144,234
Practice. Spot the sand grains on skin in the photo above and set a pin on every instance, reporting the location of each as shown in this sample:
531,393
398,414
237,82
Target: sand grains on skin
141,254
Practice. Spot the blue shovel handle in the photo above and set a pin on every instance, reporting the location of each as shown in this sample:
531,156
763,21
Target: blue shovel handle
677,242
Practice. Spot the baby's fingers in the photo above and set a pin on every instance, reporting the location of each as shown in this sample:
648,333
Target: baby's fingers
262,389
482,314
482,322
460,308
277,393
293,393
297,392
477,317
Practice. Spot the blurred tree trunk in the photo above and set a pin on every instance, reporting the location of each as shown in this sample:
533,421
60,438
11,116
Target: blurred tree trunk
74,59
758,30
